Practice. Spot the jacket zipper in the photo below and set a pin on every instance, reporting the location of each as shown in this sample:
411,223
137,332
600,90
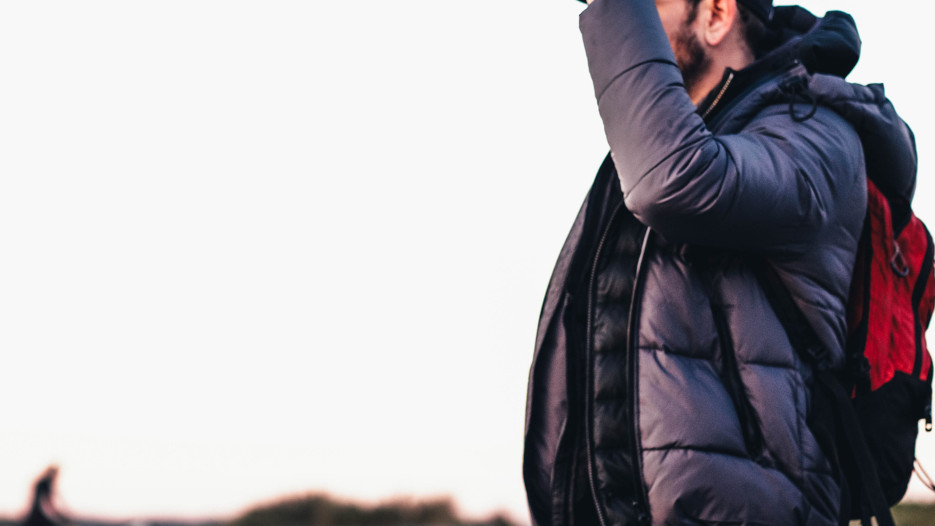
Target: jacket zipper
639,485
588,369
752,436
720,95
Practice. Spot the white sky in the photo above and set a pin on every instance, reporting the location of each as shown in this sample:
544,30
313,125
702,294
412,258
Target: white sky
255,248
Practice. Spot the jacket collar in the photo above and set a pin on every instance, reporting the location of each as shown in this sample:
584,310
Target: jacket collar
829,45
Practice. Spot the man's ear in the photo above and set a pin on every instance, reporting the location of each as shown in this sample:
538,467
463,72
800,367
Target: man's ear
722,16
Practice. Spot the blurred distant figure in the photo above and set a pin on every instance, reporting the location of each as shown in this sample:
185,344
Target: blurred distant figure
42,512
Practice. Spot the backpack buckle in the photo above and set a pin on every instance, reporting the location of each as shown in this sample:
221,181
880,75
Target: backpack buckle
898,262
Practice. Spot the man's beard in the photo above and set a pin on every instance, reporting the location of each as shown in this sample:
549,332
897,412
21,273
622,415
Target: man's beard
690,57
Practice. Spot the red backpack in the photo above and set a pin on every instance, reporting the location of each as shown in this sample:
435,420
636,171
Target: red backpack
866,416
890,306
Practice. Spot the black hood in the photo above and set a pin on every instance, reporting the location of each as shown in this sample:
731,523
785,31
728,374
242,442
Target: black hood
829,45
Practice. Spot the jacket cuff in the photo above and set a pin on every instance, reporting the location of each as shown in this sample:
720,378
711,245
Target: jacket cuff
620,34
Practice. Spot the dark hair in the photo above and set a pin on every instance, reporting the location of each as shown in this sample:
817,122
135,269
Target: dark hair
755,32
694,10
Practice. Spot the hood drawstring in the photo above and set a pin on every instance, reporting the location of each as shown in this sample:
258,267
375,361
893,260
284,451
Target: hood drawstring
796,87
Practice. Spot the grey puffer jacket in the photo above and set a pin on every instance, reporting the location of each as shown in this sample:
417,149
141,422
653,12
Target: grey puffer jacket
663,388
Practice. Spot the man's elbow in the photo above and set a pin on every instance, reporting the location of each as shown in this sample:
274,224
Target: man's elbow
657,212
676,202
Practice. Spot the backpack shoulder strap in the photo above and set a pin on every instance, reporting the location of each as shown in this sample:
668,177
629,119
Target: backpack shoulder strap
833,420
800,332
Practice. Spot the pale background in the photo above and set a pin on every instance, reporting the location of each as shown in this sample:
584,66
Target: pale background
257,248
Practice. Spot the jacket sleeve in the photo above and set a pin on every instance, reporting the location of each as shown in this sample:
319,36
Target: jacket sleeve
769,187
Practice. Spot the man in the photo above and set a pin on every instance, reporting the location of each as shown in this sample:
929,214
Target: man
664,388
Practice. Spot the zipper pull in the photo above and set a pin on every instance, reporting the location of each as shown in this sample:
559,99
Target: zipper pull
928,419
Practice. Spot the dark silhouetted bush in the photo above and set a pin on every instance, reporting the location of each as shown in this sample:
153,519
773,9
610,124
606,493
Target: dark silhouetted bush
322,510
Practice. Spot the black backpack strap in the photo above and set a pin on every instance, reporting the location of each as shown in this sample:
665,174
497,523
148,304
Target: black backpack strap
833,420
799,331
864,480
